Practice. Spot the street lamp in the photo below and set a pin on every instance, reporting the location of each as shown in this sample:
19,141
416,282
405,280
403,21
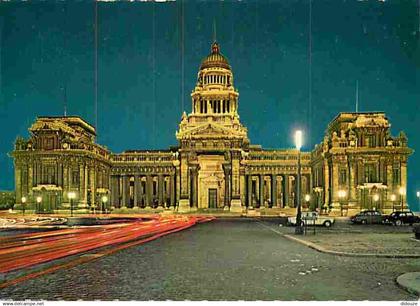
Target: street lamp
402,194
72,196
393,198
38,201
298,144
23,200
104,200
376,199
341,195
418,197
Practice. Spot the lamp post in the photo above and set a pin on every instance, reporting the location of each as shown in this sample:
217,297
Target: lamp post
393,198
38,201
298,143
375,200
341,195
104,201
72,196
23,200
402,194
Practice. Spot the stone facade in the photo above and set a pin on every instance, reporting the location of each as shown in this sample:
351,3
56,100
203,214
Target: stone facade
214,166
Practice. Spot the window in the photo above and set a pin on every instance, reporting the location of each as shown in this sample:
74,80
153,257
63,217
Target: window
343,177
370,173
370,141
75,178
396,176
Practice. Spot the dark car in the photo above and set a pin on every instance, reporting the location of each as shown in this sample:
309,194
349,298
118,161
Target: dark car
402,217
416,230
368,217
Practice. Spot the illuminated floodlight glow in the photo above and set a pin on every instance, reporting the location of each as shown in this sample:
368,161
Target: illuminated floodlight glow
23,200
402,191
71,195
393,197
298,139
38,199
307,197
376,197
104,199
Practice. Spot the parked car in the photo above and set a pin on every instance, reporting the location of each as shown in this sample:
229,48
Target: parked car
402,217
368,217
309,217
416,230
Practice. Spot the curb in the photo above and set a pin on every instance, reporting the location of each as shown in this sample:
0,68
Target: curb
327,251
407,280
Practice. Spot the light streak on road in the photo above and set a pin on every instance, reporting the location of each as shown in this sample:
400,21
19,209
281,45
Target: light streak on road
23,251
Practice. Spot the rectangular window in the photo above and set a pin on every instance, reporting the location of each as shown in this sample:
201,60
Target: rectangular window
75,178
370,173
396,176
343,177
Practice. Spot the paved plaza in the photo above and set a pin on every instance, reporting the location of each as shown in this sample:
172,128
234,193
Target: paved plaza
226,259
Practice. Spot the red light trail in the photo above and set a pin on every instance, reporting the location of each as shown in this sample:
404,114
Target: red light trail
23,251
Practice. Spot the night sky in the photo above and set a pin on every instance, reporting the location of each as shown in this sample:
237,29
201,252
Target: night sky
46,46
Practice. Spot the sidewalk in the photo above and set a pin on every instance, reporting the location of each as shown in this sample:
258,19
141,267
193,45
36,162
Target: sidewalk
356,253
410,282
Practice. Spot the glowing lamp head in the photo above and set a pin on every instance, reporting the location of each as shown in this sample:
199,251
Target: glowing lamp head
71,195
38,199
376,197
307,197
298,139
23,200
402,191
342,193
418,194
393,197
104,199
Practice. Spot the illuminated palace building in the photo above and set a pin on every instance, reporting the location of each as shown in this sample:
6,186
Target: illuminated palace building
358,165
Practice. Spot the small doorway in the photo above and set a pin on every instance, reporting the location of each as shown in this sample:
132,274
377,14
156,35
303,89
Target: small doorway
212,198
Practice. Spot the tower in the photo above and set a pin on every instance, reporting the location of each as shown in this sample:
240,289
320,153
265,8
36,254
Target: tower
211,138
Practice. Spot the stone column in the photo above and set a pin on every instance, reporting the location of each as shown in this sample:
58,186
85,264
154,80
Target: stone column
18,183
114,191
160,190
124,191
184,201
136,190
326,185
234,194
227,171
193,171
66,184
274,190
261,191
286,191
242,190
336,207
249,191
149,187
172,190
93,187
82,187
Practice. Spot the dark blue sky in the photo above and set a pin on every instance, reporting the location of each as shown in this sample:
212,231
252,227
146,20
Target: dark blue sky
45,45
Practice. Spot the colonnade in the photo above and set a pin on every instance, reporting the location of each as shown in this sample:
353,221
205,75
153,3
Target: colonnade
143,190
276,191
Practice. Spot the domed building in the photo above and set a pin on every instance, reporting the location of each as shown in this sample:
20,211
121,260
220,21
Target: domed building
358,165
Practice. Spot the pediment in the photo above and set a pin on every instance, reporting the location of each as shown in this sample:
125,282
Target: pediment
211,130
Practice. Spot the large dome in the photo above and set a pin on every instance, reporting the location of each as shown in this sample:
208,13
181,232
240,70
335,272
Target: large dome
215,59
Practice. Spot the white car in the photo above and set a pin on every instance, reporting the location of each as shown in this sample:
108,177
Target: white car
308,217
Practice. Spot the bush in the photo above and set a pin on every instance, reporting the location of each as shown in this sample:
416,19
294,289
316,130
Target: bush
7,199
